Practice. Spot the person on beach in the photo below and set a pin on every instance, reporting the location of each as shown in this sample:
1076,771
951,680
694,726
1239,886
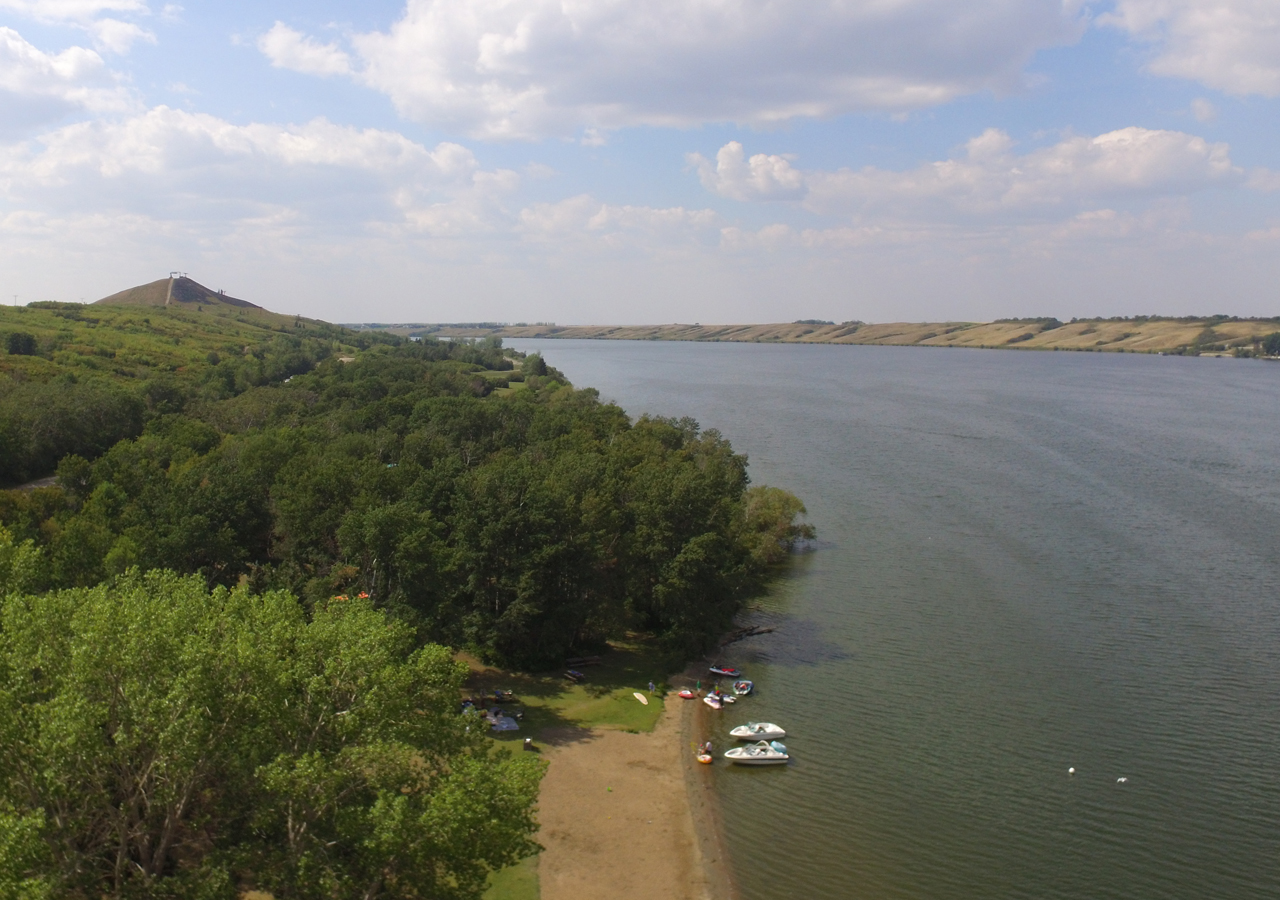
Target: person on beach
652,687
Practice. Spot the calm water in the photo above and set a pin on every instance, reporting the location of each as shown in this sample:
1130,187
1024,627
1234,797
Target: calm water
1031,561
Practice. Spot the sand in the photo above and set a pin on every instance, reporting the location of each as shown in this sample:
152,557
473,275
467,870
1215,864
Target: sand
627,816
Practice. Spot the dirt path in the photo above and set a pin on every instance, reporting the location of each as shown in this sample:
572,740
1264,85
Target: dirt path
616,818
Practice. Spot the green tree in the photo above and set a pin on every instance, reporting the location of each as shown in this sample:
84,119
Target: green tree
21,343
162,740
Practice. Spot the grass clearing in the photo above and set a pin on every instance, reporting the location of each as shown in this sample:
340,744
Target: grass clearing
518,882
606,699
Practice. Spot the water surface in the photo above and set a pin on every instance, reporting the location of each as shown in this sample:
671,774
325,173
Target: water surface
1032,561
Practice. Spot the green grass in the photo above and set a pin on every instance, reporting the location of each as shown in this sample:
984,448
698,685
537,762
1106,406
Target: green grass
128,342
518,882
605,700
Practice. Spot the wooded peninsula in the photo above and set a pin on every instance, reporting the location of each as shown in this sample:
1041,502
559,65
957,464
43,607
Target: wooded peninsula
239,552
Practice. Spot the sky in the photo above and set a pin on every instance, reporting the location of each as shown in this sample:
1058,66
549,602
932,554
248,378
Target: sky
610,162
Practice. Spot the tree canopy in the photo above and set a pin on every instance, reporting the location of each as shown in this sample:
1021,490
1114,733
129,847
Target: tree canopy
525,523
164,740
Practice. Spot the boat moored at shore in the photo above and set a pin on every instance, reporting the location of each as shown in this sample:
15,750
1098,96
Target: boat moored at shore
763,753
758,731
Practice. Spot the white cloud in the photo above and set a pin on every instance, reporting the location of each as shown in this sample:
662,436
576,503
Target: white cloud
196,170
533,68
1231,45
1264,180
289,49
759,178
116,36
989,179
584,219
37,87
71,10
1203,110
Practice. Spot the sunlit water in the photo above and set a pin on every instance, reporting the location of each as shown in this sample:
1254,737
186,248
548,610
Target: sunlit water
1031,561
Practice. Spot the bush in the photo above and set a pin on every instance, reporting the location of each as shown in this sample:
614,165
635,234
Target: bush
20,343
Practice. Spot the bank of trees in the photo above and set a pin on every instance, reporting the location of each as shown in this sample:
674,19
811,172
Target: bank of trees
528,525
164,740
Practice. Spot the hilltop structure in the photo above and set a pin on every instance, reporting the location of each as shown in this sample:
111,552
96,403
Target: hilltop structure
174,290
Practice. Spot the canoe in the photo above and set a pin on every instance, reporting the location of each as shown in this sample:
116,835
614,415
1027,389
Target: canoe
758,731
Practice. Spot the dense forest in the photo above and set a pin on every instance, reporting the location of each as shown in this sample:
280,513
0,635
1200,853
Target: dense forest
228,475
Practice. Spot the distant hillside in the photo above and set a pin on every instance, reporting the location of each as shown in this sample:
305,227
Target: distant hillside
1141,334
171,291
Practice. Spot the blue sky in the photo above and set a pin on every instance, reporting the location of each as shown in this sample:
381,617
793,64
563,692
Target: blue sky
583,161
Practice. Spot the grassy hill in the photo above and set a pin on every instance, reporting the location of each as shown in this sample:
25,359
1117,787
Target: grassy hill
1142,334
77,378
173,291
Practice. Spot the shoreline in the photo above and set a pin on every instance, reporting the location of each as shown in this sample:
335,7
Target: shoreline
632,814
1189,335
704,806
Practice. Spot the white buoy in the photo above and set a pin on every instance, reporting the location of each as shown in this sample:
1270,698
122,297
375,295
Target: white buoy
1121,780
1071,771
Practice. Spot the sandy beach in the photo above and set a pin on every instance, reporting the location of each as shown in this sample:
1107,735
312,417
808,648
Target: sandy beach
628,816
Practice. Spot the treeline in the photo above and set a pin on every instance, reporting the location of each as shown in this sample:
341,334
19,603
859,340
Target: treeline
527,525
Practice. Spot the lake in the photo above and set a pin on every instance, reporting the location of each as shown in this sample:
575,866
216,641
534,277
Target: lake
1028,562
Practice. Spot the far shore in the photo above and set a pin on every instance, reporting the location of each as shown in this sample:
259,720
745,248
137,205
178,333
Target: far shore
1217,335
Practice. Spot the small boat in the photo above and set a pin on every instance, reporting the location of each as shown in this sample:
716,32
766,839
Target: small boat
704,753
728,671
712,700
687,694
758,731
743,687
759,754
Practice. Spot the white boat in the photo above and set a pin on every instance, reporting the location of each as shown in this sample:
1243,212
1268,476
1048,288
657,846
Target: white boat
758,731
743,687
712,700
760,754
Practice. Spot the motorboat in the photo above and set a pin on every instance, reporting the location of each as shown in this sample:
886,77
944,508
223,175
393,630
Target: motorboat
712,700
762,753
758,731
727,671
743,687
